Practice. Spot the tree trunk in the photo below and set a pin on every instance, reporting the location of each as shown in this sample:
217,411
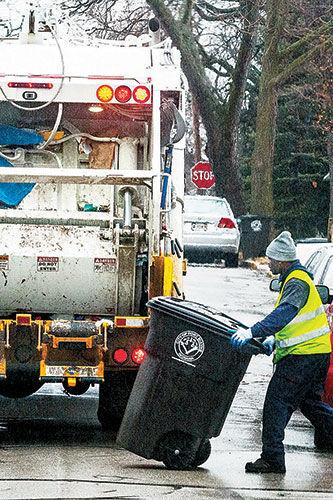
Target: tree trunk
263,158
262,171
223,152
330,159
196,131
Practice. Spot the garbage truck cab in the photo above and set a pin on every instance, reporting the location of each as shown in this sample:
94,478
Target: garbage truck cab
91,198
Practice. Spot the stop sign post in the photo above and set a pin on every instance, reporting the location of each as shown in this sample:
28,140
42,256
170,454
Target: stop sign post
202,175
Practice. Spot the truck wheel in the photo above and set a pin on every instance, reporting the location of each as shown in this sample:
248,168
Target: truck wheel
20,384
231,260
176,451
113,396
203,453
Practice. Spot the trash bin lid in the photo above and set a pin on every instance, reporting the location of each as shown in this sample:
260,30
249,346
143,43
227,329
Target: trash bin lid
197,314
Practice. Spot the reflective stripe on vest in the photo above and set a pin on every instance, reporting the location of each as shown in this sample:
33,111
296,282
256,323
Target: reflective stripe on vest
302,338
307,316
308,332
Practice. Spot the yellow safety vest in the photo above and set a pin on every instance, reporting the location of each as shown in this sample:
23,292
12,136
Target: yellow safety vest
308,332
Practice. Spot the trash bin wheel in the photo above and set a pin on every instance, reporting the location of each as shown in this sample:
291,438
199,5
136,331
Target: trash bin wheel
176,451
113,396
203,453
231,260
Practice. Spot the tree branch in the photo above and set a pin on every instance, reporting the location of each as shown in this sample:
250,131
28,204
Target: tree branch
217,10
242,66
301,44
186,11
209,60
218,16
297,64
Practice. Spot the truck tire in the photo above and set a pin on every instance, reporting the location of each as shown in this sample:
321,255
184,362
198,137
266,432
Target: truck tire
113,396
176,451
231,260
20,383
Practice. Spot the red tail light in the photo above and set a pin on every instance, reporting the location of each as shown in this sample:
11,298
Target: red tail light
120,356
138,355
226,223
30,85
123,93
141,94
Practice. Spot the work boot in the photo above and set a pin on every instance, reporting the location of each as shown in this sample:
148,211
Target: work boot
261,466
323,442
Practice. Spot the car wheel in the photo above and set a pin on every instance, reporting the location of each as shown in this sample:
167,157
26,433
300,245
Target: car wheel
231,260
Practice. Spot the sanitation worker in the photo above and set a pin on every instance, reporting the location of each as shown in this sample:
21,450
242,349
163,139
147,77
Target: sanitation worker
298,330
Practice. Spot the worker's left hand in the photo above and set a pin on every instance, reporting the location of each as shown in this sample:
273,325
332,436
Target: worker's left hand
269,344
241,338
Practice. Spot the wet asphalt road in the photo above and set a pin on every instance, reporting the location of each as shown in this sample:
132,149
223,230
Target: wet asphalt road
52,446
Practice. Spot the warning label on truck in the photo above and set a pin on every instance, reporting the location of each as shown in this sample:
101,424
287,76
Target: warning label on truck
104,264
48,264
4,262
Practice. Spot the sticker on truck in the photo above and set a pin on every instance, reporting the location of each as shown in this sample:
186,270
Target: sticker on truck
4,262
48,264
105,264
71,371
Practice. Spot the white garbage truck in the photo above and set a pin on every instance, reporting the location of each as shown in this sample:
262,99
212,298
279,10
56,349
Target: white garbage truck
91,201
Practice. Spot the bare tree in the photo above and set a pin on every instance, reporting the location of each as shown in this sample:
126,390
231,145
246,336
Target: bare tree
220,116
294,37
216,39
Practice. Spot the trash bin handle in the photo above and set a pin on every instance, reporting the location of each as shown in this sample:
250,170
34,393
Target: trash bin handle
256,343
218,313
233,320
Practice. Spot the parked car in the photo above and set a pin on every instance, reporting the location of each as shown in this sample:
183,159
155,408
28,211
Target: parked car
210,230
307,246
320,264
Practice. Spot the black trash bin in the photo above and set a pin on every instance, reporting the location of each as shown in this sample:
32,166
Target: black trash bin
255,234
184,388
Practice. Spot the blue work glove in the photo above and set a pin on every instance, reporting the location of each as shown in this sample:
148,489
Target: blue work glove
269,344
241,338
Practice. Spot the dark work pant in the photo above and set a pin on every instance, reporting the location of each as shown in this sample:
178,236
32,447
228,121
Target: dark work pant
298,382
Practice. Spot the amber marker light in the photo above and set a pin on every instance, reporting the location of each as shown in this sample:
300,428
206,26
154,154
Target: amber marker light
104,93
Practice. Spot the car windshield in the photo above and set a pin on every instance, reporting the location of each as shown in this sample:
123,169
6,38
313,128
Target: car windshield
204,206
314,260
327,276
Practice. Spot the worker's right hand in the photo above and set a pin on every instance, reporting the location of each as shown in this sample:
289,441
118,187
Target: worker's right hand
241,338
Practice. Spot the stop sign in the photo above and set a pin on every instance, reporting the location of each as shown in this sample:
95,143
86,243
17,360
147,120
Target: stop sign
202,175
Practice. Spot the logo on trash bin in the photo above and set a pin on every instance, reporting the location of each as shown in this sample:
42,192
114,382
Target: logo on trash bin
256,225
189,346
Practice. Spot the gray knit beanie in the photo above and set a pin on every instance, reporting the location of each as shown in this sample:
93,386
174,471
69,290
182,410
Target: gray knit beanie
282,248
